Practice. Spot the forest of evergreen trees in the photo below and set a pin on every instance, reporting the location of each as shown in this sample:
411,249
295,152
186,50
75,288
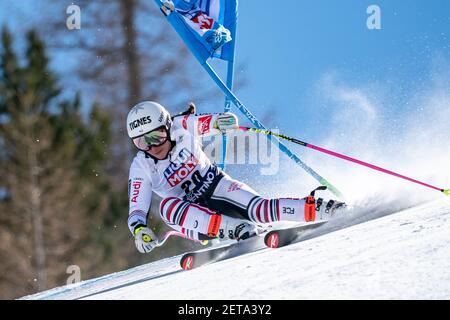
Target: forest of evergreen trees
64,151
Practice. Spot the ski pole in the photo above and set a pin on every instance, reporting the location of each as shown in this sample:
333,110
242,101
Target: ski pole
171,233
341,156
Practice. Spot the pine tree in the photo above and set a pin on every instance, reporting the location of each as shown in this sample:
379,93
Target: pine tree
53,191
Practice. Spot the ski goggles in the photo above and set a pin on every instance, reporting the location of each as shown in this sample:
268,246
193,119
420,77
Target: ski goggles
151,139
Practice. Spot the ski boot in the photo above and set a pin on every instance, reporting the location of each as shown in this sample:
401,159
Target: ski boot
324,209
236,229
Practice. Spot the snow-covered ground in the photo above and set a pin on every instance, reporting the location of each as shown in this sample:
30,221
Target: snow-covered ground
405,255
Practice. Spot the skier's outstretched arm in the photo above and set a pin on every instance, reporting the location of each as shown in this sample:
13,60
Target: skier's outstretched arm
207,124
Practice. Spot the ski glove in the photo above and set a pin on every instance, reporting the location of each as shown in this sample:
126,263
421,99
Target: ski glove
144,239
226,121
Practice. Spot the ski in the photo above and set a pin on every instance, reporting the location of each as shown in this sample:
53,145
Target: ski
282,237
196,259
192,260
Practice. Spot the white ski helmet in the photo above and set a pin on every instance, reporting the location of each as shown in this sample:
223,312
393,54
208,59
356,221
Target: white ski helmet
145,117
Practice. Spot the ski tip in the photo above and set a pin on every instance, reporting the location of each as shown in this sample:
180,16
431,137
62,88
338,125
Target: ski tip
272,240
446,191
187,263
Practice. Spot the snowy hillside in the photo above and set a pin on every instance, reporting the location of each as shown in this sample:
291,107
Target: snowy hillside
405,255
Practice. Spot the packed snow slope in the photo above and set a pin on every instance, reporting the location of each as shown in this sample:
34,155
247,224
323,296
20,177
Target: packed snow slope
402,255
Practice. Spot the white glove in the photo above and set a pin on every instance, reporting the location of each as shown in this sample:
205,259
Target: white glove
144,239
226,121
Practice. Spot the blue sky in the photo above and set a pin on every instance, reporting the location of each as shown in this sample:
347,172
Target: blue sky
288,50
